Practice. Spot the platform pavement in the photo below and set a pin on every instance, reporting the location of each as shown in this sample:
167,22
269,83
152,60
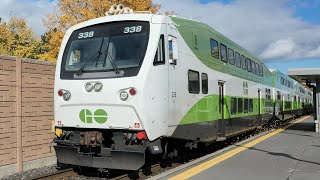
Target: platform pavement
292,154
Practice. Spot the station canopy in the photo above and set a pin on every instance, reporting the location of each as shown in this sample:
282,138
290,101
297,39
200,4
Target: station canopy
305,75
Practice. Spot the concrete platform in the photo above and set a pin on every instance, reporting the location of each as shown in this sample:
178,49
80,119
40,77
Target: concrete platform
290,154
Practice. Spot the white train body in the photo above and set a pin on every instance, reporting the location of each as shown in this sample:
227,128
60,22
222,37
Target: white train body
127,84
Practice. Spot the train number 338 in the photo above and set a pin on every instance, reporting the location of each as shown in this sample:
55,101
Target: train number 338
85,35
132,29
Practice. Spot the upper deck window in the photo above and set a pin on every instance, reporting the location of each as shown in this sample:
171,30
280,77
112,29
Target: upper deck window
214,48
253,67
231,56
223,50
238,60
248,62
243,62
109,50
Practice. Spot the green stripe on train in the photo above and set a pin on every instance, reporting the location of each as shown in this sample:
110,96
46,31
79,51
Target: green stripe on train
188,28
207,109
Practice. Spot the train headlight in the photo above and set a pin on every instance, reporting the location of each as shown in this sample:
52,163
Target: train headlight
124,95
66,95
98,86
89,87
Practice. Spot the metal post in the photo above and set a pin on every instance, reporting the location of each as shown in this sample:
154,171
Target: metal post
317,105
314,102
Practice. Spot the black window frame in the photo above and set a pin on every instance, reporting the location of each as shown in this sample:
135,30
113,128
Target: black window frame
234,104
243,62
250,106
253,67
248,63
240,108
278,95
156,63
216,56
246,105
204,83
257,69
238,60
231,59
226,53
198,84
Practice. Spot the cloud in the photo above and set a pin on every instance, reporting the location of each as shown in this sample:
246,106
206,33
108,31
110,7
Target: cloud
279,49
268,29
32,10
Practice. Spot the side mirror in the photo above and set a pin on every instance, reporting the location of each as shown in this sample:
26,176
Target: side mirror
173,50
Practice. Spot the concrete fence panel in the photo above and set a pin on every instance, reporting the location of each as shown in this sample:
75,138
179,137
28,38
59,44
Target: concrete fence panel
26,114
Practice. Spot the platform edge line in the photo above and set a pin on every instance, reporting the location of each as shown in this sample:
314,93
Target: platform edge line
206,165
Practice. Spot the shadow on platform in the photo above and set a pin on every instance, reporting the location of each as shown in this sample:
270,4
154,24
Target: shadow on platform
303,126
281,154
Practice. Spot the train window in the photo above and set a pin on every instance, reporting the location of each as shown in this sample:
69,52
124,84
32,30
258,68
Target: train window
193,82
204,79
253,67
269,94
266,93
248,62
231,56
238,60
261,70
287,105
244,62
278,95
282,81
250,105
246,105
240,105
223,50
214,48
160,54
257,69
233,105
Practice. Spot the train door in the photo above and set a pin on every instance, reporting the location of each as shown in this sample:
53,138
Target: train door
221,122
174,92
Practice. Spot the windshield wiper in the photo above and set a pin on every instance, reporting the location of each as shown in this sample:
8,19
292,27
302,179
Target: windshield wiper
108,56
113,64
91,60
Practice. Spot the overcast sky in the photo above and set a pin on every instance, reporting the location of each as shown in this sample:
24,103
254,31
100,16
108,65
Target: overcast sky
284,33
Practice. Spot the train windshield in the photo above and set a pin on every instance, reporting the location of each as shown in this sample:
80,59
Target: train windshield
106,50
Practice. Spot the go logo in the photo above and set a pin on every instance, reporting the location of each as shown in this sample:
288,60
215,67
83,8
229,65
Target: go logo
100,116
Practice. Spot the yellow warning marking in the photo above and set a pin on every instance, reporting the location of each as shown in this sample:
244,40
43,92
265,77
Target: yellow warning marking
52,126
201,167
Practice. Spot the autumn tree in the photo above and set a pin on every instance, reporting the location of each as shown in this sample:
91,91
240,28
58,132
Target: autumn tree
17,39
71,12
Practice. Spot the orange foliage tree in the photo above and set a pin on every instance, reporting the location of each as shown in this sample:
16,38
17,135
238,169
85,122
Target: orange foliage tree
17,39
71,12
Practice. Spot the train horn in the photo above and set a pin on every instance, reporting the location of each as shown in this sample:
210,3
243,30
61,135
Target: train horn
118,9
113,8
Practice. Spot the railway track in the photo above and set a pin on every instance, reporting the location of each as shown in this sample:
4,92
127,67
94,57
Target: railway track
62,174
157,168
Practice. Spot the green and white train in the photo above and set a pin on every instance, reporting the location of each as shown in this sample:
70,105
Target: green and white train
133,86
